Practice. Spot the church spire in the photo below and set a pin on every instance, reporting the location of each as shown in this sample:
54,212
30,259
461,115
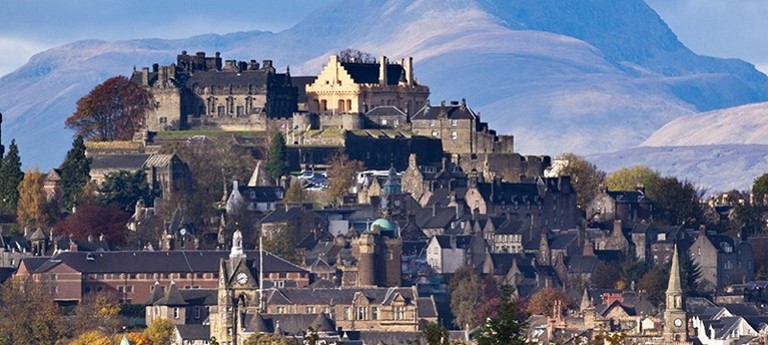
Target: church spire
674,285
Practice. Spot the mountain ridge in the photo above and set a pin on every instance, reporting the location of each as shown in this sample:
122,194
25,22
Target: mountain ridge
556,87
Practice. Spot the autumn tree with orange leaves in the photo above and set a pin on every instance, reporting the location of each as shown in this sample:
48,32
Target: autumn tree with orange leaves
113,110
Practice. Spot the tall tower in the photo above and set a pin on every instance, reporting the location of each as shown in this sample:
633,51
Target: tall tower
366,265
675,320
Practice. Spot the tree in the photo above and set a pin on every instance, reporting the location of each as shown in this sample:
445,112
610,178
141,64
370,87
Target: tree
606,275
676,202
282,242
75,173
341,176
94,220
747,220
269,339
631,178
123,189
276,165
654,282
28,314
355,55
113,110
505,327
760,190
435,334
295,193
10,178
472,297
31,199
97,311
160,331
214,163
543,301
92,338
585,177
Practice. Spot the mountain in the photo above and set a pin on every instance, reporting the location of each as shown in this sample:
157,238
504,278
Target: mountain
561,75
712,168
744,124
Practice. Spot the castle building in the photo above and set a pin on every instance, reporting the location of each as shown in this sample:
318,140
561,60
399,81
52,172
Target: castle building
359,87
199,92
460,129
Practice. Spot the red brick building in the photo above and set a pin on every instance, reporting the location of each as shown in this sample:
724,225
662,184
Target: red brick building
132,275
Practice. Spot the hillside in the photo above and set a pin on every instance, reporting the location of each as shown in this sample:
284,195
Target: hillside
561,75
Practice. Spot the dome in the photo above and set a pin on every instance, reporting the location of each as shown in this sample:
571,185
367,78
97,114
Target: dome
384,226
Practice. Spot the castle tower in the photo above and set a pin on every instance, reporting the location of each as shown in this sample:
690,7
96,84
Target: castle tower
366,264
675,318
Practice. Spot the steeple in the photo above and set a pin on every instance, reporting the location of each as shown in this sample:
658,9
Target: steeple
674,286
237,245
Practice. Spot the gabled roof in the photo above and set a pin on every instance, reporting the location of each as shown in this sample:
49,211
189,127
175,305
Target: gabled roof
280,215
461,241
435,217
172,297
305,296
629,197
322,323
368,73
127,162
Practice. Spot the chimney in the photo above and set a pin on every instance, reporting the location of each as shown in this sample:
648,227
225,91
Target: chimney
90,238
408,66
383,71
434,209
144,76
72,244
589,248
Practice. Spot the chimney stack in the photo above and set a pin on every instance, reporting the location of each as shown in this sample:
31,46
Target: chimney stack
409,70
383,71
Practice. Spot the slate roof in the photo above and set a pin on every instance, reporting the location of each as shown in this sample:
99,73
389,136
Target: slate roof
159,160
256,78
581,264
128,162
343,295
629,197
368,73
196,261
385,110
280,215
435,217
462,241
172,297
194,332
289,324
563,241
301,83
451,111
262,193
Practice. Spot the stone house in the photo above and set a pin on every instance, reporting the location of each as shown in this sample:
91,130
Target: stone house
627,206
722,260
166,173
447,253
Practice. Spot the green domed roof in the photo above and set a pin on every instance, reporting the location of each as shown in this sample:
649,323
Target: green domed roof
384,225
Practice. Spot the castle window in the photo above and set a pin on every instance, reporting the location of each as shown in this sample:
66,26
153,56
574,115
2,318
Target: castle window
324,103
361,313
399,313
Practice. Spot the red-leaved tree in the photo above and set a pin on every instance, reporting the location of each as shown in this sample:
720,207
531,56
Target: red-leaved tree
94,220
113,110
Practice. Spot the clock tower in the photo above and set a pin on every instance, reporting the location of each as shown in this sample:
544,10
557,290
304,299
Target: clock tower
675,320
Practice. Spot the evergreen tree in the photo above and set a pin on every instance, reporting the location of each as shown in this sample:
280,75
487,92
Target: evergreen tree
123,189
276,161
506,327
10,178
75,173
31,199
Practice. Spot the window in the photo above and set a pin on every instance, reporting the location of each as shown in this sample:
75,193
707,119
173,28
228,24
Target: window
454,135
175,313
431,123
435,134
374,313
399,313
383,122
163,120
281,310
454,123
310,310
197,312
347,311
361,313
395,123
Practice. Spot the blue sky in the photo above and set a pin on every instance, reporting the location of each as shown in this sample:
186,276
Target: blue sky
722,28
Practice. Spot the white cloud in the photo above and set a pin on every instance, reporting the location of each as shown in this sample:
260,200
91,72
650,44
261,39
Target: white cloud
18,51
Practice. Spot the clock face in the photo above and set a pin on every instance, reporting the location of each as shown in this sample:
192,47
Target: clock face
242,278
678,322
